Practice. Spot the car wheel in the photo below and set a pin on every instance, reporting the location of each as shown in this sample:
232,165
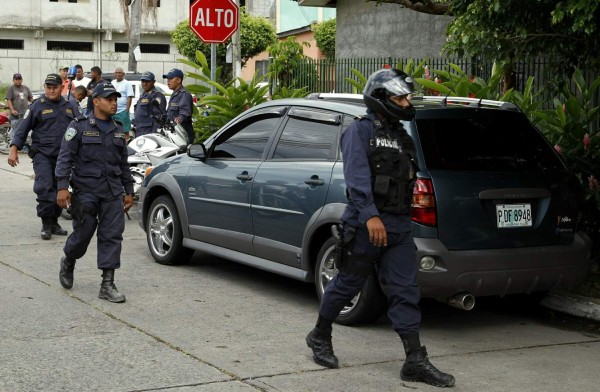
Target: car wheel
366,307
164,235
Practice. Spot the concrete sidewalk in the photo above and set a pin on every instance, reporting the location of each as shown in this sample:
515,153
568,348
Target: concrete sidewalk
216,326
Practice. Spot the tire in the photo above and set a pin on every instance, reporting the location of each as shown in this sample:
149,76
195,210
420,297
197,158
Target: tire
366,307
164,234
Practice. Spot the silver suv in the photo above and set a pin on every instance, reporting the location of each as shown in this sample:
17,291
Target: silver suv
494,208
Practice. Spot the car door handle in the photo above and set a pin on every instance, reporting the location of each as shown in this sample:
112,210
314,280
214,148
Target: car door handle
244,176
314,181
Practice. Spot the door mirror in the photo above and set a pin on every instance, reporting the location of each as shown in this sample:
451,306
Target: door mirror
197,151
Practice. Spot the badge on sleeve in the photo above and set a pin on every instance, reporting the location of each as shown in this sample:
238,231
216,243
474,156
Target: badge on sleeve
70,134
26,114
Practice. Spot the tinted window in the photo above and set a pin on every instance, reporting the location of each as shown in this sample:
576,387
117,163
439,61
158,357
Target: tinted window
306,140
485,141
249,142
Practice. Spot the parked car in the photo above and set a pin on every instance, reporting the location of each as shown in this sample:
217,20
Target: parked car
494,207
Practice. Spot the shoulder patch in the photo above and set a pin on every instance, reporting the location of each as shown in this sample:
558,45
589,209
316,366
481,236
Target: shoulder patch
70,134
26,114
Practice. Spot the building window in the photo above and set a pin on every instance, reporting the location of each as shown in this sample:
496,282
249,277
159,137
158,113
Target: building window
261,67
12,44
122,47
70,46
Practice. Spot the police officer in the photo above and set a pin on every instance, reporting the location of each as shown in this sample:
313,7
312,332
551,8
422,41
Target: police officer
48,118
151,105
181,103
93,157
379,171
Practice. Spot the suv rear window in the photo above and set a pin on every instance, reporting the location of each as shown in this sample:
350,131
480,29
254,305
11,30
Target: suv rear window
485,140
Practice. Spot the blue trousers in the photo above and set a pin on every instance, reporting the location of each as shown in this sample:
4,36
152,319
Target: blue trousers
105,214
396,268
45,186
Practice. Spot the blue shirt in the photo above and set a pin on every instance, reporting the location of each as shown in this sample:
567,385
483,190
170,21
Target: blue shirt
48,120
357,145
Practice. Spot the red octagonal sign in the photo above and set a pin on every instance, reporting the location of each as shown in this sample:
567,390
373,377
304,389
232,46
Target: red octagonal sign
214,21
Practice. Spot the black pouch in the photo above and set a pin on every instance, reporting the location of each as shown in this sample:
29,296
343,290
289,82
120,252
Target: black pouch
31,151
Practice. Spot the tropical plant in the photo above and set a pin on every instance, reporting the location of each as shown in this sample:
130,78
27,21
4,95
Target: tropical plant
569,127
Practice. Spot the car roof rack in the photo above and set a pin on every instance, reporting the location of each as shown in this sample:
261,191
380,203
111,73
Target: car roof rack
479,102
338,97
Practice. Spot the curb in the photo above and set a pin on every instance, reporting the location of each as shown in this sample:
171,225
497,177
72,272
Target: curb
574,305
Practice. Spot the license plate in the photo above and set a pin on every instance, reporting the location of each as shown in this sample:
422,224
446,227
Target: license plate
513,215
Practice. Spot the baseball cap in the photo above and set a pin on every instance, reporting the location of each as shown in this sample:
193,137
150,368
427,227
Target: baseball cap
105,90
17,76
148,76
174,73
63,66
53,79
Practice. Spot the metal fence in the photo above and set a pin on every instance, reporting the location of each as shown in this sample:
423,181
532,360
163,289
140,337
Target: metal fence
327,75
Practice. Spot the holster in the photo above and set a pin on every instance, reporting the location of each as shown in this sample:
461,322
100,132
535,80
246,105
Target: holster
76,208
31,151
343,247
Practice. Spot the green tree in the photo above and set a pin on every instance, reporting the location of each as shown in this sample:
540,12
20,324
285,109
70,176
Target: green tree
325,37
287,56
256,34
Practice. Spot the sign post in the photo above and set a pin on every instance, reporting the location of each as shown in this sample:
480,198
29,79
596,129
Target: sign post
214,22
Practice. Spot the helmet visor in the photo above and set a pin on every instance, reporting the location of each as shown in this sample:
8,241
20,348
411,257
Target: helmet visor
399,86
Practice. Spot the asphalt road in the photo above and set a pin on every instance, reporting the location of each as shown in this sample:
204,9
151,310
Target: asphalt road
215,326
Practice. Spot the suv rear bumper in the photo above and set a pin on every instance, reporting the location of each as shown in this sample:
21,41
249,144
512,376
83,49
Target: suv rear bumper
498,272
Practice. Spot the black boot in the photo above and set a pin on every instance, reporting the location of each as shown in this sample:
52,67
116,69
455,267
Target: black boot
319,340
46,228
417,366
108,290
56,229
67,266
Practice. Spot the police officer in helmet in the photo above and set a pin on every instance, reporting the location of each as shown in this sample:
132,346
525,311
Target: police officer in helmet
379,171
93,159
47,117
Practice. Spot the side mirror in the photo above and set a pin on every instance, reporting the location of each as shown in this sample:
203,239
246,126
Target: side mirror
197,151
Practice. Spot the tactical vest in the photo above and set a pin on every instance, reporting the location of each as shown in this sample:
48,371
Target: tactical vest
392,168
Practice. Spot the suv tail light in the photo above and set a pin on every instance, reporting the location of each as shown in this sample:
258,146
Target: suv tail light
423,203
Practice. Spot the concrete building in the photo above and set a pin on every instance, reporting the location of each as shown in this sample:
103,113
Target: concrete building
386,30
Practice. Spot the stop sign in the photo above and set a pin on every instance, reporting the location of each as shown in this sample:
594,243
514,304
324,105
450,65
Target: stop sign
214,21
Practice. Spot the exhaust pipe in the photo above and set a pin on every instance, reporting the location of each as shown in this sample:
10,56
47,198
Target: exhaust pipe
464,301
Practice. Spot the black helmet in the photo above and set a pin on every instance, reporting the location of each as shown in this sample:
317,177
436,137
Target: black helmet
384,84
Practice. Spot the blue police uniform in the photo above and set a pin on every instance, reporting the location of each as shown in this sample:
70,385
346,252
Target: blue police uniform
146,112
396,263
93,159
181,104
48,121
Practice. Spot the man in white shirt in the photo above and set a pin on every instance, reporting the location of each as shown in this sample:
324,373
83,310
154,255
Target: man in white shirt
81,80
124,102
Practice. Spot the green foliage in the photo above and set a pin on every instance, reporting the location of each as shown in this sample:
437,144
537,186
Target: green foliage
287,56
459,84
567,126
256,34
564,32
325,37
231,98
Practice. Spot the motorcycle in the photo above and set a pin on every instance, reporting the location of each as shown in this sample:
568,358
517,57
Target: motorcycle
148,150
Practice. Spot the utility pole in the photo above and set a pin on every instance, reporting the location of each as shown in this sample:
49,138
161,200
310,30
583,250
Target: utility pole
135,27
236,51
